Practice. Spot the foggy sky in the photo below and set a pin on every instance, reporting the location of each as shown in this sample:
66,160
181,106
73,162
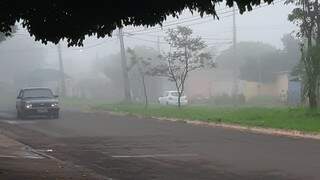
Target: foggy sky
265,24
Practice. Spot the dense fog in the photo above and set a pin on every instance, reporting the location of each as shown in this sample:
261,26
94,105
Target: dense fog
266,49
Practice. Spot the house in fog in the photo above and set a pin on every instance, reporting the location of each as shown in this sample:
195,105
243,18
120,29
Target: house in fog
205,84
284,87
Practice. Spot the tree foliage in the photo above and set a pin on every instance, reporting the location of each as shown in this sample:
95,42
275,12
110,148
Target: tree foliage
110,66
307,16
3,36
73,20
245,51
186,54
311,74
263,66
144,68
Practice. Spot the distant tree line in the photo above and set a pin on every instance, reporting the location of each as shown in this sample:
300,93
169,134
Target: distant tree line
259,62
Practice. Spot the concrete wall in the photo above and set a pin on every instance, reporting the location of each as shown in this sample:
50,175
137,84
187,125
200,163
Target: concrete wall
217,82
210,83
254,89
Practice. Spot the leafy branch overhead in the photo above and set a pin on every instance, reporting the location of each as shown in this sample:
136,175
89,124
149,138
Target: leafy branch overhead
3,36
73,20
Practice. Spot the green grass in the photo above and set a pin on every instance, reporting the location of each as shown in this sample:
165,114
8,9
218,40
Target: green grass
281,118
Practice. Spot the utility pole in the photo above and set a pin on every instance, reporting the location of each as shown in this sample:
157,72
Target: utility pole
235,70
260,77
62,74
126,82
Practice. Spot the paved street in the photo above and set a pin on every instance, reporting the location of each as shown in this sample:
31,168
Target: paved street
132,148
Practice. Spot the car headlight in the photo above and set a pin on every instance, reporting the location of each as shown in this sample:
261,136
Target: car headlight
54,105
28,106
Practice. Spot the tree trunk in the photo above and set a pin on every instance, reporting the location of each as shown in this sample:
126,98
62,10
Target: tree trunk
312,98
145,92
317,14
62,76
179,100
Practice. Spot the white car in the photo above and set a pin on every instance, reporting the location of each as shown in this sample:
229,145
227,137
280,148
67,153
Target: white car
171,98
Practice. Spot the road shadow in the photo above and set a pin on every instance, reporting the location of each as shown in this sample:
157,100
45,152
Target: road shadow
11,116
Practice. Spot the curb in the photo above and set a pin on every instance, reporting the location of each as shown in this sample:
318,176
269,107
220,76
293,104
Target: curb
267,131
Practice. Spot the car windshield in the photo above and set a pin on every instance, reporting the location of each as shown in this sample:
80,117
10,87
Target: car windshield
37,93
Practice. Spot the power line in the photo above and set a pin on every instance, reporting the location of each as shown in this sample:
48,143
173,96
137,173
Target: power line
216,43
80,48
191,19
223,17
198,18
162,28
156,29
187,19
94,45
202,37
147,40
155,42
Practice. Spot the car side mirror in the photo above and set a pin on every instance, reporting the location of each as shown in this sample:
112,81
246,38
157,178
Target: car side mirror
19,97
56,96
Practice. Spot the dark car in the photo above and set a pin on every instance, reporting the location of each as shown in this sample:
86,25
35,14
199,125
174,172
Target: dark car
37,101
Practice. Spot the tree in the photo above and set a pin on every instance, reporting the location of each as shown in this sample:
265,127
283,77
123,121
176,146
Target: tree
291,53
245,51
259,64
307,16
110,66
154,84
73,20
291,47
186,55
144,69
3,36
311,75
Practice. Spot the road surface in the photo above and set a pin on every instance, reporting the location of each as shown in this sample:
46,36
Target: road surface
129,148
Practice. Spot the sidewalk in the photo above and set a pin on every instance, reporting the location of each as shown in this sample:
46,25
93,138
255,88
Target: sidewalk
19,161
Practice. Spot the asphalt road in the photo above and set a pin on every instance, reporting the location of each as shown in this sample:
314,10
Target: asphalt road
130,148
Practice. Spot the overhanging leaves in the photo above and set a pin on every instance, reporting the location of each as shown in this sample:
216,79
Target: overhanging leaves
72,20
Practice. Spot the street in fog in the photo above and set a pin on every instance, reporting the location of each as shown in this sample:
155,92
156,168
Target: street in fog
120,147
